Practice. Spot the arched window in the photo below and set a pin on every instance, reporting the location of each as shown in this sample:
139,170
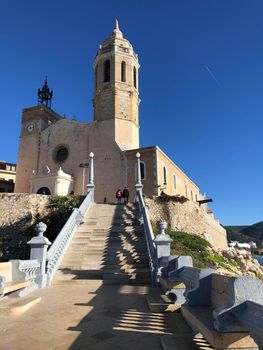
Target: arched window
123,71
134,77
164,176
106,71
44,190
186,191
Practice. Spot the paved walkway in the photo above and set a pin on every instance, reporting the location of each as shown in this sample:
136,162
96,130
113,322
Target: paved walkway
91,317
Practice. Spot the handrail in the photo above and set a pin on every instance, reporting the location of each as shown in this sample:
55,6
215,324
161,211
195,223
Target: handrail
149,236
85,205
61,243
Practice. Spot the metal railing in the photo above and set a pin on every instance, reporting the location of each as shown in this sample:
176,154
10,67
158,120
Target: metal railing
149,236
61,243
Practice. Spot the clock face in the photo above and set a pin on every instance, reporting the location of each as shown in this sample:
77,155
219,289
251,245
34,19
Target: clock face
30,127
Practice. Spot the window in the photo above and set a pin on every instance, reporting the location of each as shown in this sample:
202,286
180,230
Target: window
106,71
186,191
44,190
192,197
196,197
143,170
174,182
134,77
96,76
164,176
60,154
123,71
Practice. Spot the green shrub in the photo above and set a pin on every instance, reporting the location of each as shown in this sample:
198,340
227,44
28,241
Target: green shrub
189,244
61,208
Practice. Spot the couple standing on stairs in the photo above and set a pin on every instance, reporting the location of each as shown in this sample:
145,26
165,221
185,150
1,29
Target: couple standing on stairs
123,194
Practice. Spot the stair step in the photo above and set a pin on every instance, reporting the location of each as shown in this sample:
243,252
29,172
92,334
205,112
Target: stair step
93,282
79,274
109,246
137,271
124,260
140,282
125,276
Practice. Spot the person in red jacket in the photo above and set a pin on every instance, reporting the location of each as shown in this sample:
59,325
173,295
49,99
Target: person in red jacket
118,195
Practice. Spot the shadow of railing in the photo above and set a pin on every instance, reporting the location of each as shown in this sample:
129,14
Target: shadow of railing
120,319
125,249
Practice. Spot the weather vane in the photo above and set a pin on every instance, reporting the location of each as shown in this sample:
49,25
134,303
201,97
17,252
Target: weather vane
45,95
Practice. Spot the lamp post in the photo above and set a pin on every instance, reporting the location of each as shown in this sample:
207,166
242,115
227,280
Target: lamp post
138,185
90,185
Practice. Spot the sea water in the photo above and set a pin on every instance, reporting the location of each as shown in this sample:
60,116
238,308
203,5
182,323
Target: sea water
259,258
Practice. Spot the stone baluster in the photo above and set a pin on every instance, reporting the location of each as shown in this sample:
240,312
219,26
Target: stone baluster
162,240
90,185
39,245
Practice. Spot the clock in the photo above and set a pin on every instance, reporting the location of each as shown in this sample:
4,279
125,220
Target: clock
30,127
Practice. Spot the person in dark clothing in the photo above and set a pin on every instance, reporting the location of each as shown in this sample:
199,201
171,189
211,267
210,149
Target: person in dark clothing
125,195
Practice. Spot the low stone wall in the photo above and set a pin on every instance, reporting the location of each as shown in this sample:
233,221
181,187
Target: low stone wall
18,210
17,213
189,217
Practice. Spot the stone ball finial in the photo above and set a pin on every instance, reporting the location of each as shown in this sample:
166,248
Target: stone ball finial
138,155
91,154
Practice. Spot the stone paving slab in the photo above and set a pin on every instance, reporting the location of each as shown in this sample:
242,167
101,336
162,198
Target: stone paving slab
90,317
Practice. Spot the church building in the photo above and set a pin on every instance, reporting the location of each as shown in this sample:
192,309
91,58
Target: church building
54,151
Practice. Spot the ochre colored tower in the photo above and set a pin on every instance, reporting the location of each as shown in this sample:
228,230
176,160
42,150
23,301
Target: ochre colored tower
116,94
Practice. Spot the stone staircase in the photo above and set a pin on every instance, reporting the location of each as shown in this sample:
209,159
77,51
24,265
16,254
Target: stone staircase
109,246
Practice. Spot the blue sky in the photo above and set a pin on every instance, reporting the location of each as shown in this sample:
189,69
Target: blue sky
201,82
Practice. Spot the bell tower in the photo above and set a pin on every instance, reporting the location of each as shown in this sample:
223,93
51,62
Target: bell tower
116,94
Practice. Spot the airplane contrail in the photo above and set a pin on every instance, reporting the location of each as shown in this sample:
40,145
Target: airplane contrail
212,75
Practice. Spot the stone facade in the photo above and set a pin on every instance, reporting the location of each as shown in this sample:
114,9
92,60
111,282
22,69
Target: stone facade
189,217
115,128
159,174
50,144
116,93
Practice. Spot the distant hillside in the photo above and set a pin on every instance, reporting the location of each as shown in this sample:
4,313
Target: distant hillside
245,233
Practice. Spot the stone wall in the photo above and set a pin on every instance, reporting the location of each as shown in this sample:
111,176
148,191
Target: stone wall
19,210
189,217
17,215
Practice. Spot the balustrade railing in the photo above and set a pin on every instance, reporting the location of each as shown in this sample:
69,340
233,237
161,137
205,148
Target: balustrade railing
59,246
28,269
85,205
149,236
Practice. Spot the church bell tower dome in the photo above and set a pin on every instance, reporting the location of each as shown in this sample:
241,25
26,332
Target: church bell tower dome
116,94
